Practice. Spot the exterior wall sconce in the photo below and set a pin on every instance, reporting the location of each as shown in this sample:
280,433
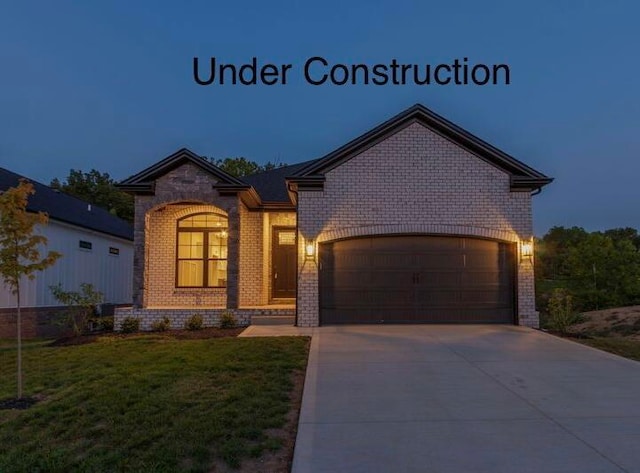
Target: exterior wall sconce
526,251
310,250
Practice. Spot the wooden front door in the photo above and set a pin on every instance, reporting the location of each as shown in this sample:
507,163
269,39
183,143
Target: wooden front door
283,263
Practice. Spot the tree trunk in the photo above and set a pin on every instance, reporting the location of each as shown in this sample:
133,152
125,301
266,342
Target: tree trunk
19,323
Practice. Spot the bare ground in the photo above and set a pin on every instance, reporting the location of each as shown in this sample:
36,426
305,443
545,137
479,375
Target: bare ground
621,322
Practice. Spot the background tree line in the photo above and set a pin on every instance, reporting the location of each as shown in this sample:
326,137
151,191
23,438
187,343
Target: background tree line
599,269
98,188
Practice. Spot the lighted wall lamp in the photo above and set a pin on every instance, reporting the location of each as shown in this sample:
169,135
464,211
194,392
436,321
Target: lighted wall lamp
310,250
526,251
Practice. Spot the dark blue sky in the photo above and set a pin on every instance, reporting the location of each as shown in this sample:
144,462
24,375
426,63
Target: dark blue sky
109,86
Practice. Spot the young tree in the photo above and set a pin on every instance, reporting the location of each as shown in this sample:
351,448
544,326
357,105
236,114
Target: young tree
20,248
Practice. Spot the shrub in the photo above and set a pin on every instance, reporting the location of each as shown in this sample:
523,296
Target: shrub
194,322
561,315
81,306
161,325
227,320
103,323
130,325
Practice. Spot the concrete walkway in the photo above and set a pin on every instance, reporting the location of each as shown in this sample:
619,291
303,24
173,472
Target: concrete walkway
276,331
465,399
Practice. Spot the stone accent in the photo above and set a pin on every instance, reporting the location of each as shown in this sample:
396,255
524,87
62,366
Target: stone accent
180,189
415,181
179,316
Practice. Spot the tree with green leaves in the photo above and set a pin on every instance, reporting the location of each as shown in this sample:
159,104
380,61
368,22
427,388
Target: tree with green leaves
600,269
20,249
240,166
98,189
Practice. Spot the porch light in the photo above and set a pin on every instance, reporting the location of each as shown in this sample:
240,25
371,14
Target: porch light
310,250
526,251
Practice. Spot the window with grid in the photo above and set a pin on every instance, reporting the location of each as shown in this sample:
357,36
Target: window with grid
202,251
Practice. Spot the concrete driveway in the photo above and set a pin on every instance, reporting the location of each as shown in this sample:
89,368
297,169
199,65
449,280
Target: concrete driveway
465,399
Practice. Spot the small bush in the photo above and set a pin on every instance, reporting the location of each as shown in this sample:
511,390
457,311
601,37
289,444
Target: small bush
227,320
130,325
161,325
561,314
103,323
81,306
194,322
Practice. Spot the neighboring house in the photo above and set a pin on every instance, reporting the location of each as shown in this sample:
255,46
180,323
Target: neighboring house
96,248
415,221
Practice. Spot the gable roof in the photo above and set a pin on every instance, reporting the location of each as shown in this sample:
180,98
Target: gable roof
68,209
144,180
522,176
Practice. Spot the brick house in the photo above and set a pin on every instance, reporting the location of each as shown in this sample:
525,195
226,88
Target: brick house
415,221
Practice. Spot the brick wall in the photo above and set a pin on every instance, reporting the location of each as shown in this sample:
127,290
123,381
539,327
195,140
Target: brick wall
178,317
161,264
413,181
251,257
37,322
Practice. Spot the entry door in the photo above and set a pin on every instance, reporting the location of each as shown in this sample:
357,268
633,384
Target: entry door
283,263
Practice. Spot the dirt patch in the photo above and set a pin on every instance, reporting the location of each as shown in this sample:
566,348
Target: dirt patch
209,332
617,322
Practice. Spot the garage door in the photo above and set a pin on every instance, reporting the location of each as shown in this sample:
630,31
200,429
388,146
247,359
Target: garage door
416,279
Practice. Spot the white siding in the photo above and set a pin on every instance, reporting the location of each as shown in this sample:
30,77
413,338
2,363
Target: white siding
109,274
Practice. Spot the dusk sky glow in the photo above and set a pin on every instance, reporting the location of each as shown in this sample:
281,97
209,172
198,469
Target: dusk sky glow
109,85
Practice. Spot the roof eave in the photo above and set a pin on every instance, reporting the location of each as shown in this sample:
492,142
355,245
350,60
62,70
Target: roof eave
525,183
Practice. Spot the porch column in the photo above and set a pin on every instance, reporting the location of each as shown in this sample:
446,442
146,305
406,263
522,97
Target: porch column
233,256
139,252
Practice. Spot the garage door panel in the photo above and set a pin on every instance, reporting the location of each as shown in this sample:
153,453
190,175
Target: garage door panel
429,279
473,278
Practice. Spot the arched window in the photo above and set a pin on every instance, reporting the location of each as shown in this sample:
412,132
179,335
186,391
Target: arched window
202,251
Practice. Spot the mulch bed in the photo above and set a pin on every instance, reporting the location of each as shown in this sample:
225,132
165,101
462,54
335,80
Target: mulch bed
15,403
209,332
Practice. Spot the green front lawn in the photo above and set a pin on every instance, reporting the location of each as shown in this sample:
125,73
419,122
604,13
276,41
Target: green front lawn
148,403
620,346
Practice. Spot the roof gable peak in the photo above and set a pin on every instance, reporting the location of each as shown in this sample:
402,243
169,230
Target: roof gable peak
147,176
418,113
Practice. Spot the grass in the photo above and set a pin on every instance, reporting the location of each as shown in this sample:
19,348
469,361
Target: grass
148,403
619,346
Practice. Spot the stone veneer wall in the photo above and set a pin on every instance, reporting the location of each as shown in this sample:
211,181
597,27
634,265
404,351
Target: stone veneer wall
414,181
178,317
187,184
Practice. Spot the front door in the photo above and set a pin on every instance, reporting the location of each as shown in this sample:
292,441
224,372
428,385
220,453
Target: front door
283,263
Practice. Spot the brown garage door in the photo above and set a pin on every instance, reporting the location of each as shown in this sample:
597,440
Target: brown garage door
416,279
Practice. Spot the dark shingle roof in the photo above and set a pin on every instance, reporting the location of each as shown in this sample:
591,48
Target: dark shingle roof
66,208
271,185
